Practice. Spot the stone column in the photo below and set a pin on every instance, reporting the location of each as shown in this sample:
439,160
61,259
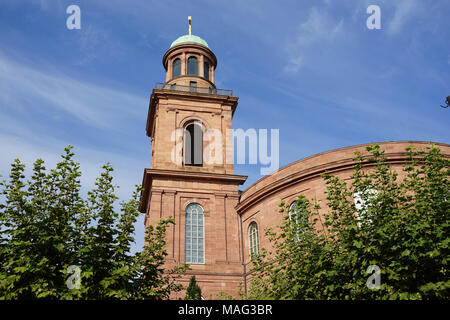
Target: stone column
220,228
169,70
200,66
233,230
183,64
169,210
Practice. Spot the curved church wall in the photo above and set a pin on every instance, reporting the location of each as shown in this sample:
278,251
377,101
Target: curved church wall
260,202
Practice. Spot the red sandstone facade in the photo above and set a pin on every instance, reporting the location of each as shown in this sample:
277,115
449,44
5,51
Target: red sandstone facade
171,185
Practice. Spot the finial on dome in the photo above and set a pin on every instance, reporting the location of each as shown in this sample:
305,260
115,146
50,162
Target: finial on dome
190,27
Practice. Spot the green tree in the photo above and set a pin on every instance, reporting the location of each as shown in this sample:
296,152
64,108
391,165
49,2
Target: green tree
56,245
401,226
193,291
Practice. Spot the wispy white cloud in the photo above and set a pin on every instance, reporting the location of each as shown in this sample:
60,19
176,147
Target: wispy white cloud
293,65
90,38
404,12
317,29
26,87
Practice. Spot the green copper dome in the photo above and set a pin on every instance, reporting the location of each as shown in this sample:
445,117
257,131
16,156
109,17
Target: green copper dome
189,38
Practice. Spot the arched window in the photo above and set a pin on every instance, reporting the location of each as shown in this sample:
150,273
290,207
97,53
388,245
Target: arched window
362,203
192,66
176,68
206,70
298,216
194,234
193,145
253,243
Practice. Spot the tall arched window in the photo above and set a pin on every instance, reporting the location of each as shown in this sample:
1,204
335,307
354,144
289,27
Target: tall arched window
192,66
176,71
206,70
363,204
193,145
194,234
298,217
253,243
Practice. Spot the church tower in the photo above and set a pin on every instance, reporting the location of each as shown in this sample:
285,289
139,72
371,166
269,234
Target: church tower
190,178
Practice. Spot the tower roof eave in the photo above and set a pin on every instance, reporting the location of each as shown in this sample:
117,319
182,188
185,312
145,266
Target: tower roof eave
211,54
225,100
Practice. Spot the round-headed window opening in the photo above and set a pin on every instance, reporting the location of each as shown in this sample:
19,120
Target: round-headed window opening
194,251
298,217
176,68
193,144
363,203
206,70
253,243
192,66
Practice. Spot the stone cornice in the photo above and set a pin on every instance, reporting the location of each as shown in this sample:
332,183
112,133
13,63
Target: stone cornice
150,174
158,94
265,187
194,175
185,47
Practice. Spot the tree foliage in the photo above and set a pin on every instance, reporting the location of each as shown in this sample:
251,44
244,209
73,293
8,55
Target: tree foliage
55,244
193,291
402,228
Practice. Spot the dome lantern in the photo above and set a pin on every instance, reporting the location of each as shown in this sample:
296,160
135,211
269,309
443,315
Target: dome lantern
190,62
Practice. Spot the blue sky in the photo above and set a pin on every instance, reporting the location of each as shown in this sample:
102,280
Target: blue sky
309,68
